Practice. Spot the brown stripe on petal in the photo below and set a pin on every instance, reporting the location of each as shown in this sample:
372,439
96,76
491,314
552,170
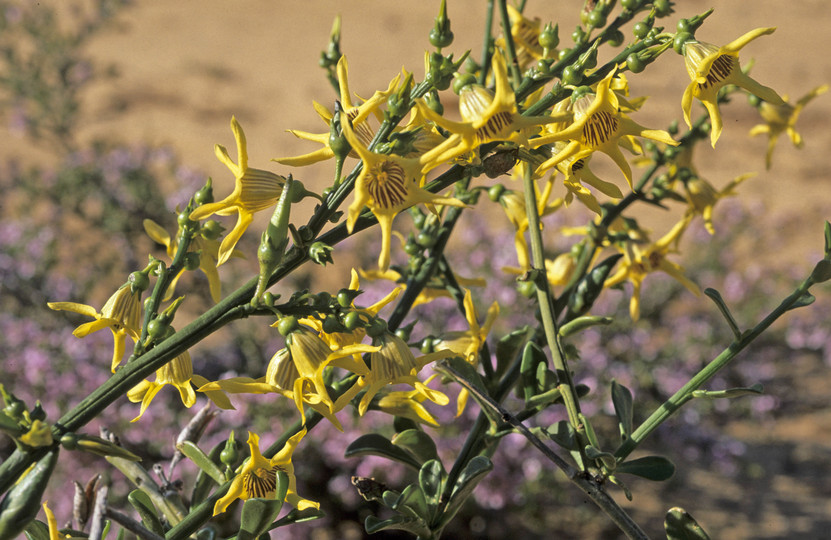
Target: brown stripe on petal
494,127
259,483
721,68
599,128
387,184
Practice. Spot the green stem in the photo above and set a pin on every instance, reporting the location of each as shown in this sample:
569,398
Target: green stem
565,382
685,393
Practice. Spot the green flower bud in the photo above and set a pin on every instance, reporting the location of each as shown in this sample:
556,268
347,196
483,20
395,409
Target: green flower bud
549,37
287,325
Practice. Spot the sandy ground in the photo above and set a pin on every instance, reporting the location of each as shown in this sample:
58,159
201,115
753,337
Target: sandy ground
186,67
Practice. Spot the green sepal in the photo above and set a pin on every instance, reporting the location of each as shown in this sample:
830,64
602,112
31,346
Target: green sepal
827,239
36,530
805,300
378,445
581,323
471,475
587,427
9,426
417,443
680,525
622,401
201,460
656,468
22,502
431,479
204,482
146,511
298,516
607,459
259,514
508,347
754,390
412,525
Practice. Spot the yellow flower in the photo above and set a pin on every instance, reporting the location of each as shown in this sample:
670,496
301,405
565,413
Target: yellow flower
782,119
357,114
576,173
525,33
387,185
208,253
392,362
710,68
121,314
296,372
638,263
408,404
254,190
339,340
467,343
513,203
702,196
435,287
178,372
486,117
599,125
52,526
257,478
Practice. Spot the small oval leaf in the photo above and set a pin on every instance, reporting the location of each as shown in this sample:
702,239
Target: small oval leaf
680,525
417,443
657,468
378,445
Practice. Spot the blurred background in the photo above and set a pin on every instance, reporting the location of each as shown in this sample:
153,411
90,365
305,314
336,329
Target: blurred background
109,110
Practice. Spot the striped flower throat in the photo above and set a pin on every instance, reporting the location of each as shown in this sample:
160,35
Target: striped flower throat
387,184
600,126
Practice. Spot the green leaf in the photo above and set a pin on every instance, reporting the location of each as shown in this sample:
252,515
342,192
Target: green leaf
581,323
431,479
754,390
201,460
508,347
413,503
827,239
622,400
590,286
657,468
471,475
412,525
715,296
258,514
204,482
562,433
378,445
36,530
680,525
22,502
822,271
298,516
417,443
532,359
805,300
146,511
608,460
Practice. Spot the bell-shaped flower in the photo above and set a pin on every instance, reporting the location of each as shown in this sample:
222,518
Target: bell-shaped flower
468,343
121,314
387,185
780,119
599,126
702,197
637,263
710,68
393,363
358,114
486,117
178,372
208,254
254,190
257,477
